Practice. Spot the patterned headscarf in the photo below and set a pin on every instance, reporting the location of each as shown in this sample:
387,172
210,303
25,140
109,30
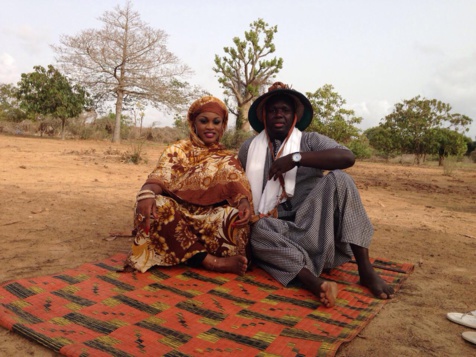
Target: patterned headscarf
206,104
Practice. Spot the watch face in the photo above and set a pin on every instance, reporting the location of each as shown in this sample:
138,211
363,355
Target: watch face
296,157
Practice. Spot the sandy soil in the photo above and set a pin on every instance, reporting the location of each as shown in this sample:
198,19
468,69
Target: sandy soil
59,200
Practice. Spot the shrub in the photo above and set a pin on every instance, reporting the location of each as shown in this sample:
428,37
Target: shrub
135,155
450,163
361,147
233,138
473,156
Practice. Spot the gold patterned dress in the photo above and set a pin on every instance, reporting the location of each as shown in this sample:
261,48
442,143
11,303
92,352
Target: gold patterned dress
202,186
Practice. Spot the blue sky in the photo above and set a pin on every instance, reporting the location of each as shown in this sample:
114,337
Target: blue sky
374,53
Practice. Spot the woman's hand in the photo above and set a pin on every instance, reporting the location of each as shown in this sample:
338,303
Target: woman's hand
147,207
244,212
144,209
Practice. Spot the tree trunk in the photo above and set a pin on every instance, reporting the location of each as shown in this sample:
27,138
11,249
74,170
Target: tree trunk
116,137
242,122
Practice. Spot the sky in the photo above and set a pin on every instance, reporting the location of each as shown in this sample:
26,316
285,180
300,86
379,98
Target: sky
375,53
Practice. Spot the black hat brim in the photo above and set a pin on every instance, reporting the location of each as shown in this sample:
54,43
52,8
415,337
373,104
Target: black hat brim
303,105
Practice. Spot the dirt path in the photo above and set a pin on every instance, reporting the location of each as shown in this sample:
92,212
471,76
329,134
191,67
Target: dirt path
59,200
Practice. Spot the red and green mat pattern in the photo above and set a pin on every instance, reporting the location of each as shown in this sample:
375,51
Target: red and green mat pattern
93,310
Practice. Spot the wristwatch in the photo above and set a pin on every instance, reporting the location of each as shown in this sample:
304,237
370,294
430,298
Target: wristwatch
297,158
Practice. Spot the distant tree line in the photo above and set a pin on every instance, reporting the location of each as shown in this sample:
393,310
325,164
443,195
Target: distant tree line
127,63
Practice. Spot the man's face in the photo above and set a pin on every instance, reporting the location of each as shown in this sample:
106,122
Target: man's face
279,117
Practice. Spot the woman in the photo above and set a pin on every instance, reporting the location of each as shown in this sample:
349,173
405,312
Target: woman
195,206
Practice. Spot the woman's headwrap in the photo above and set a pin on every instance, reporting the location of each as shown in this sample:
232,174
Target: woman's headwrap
206,104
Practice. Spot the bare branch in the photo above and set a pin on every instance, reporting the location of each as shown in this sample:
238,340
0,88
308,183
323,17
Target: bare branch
126,57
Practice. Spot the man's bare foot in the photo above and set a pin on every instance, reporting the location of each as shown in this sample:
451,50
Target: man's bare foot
328,293
236,264
371,280
368,276
325,290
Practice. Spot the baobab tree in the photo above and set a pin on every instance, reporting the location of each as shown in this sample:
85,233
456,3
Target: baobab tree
125,60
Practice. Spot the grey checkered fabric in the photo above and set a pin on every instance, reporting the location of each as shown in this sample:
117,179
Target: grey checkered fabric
327,216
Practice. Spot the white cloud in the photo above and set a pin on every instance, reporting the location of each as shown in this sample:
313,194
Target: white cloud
32,39
455,83
8,69
429,49
372,111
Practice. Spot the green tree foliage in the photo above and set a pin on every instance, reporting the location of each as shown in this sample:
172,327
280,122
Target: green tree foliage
382,140
244,71
471,146
330,116
126,60
181,124
448,143
361,147
48,92
412,125
9,106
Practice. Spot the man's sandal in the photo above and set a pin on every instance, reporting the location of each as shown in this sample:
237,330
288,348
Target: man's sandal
467,319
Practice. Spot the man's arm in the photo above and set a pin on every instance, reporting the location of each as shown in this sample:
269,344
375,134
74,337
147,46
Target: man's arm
330,159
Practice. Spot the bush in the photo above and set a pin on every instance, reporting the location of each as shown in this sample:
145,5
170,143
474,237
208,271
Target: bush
450,163
135,155
473,156
361,147
233,138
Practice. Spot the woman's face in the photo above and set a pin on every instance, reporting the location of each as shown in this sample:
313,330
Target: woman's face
209,127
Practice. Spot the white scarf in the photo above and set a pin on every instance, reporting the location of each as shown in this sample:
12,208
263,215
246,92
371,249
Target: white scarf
266,200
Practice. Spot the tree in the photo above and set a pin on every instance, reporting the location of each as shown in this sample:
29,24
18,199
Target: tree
48,92
449,142
138,115
382,140
9,106
412,124
361,148
470,145
243,71
330,117
125,60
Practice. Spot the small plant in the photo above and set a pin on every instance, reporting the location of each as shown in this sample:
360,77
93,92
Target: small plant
450,163
82,152
111,151
136,154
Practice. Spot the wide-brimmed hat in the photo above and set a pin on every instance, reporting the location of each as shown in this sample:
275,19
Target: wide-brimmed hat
303,106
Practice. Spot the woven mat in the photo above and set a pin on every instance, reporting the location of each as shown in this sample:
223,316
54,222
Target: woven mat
94,311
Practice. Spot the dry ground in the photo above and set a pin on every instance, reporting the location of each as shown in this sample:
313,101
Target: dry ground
59,200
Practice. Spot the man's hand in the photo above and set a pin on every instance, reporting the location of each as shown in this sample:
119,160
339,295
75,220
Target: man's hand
281,166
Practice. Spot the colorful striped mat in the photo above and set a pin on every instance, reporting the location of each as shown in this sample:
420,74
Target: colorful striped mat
179,311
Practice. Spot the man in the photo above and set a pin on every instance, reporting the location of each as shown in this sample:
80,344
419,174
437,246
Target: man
305,221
